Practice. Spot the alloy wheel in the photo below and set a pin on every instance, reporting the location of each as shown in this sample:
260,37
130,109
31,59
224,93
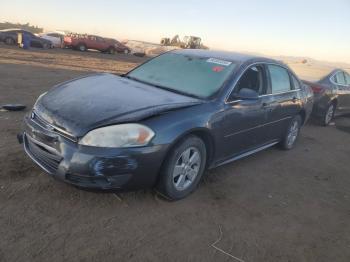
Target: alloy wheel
293,133
186,168
329,114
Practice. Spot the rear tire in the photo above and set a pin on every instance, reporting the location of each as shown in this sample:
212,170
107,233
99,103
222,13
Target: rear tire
292,133
82,47
111,51
328,115
182,169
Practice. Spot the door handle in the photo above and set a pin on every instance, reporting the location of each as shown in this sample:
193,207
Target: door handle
268,106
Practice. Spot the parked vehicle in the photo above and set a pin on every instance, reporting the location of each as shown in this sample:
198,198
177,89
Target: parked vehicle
163,123
120,47
55,37
10,37
332,96
85,42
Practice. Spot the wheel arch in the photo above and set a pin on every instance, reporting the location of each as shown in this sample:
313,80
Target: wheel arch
205,135
302,114
80,44
334,101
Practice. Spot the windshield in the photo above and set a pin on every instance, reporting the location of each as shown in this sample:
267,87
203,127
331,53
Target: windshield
186,74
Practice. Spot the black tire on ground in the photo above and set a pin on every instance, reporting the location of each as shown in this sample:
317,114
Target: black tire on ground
328,115
138,54
81,47
46,46
168,183
111,51
9,41
292,133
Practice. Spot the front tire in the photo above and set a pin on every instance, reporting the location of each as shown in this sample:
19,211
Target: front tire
183,169
292,133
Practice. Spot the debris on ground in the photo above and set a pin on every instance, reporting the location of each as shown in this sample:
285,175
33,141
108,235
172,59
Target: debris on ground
13,107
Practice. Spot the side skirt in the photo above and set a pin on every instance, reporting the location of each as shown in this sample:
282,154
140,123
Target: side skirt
246,154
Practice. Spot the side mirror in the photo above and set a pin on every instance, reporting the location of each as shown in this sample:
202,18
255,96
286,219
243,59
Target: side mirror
246,94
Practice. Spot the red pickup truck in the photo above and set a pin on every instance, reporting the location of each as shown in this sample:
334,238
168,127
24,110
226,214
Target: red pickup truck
85,42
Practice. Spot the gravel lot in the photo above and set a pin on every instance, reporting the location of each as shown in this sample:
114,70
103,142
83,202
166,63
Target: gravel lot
273,206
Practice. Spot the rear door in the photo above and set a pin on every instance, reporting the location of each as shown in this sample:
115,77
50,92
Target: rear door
91,42
101,44
283,101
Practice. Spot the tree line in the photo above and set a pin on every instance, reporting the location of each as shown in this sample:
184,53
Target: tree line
27,27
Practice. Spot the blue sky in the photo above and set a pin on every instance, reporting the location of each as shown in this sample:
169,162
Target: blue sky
318,29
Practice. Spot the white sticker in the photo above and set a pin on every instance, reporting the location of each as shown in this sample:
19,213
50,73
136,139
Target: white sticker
219,62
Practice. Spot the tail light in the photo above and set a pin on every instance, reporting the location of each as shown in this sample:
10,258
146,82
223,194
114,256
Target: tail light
318,89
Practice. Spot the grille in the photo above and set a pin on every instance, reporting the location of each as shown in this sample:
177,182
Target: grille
79,179
46,159
45,125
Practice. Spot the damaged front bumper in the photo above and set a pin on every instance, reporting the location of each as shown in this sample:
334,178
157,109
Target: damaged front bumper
91,167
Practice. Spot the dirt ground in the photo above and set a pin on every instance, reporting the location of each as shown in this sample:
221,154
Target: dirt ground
273,206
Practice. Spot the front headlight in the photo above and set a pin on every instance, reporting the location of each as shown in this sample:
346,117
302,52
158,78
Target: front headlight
124,135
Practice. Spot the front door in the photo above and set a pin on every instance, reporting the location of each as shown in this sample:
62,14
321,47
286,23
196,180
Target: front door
244,119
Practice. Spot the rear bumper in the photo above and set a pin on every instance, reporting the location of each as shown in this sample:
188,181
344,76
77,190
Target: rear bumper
90,167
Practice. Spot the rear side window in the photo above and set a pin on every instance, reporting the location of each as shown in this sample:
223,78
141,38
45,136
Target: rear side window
280,81
339,78
296,83
347,77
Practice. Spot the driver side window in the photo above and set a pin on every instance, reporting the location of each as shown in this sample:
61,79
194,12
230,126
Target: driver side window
254,79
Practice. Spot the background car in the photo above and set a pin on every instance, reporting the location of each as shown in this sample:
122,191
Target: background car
332,95
85,42
10,37
55,37
163,123
120,47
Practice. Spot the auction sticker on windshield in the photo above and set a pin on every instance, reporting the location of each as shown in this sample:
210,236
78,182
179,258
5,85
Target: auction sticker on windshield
219,61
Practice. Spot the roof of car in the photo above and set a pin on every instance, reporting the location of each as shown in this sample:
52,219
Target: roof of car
10,29
225,55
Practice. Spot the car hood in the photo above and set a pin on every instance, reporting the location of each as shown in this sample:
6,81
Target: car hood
83,104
